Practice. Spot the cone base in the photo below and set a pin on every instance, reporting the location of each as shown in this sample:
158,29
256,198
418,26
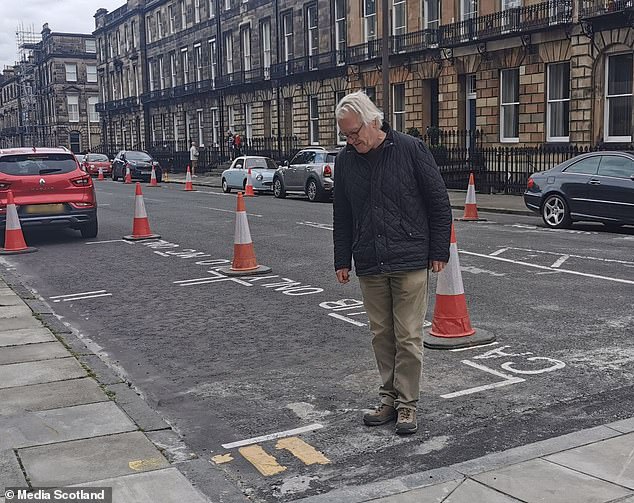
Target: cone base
188,189
141,238
478,339
28,249
261,269
150,185
469,219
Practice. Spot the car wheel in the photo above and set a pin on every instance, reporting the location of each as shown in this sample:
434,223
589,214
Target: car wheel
313,191
555,212
278,189
89,230
225,186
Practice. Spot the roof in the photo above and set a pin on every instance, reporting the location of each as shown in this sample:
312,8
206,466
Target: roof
37,150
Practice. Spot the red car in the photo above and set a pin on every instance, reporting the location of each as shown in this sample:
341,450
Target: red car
92,163
50,189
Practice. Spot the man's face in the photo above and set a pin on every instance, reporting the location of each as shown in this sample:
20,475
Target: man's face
363,137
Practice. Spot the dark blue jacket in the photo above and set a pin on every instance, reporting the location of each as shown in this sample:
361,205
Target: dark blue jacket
395,216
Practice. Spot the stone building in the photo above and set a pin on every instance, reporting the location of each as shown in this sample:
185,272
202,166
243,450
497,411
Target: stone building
49,98
522,72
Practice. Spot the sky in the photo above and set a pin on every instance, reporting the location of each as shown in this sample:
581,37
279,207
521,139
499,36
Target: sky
70,16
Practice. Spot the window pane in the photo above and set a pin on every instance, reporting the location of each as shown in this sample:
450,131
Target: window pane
620,74
510,86
586,166
620,114
559,113
510,121
369,7
559,81
620,167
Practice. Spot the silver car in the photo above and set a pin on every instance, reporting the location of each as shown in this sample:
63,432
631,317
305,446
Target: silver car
262,169
310,172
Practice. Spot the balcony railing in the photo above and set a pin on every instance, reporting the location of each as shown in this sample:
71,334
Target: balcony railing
415,41
364,52
307,64
595,8
121,104
507,22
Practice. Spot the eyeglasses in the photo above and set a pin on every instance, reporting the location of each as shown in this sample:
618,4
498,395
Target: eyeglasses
352,135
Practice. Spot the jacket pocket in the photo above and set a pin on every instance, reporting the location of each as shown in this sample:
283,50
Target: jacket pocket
413,231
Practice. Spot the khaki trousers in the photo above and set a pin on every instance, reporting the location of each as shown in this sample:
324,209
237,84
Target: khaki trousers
396,304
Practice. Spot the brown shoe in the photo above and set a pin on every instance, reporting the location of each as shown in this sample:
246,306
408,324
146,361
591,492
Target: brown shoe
383,414
406,421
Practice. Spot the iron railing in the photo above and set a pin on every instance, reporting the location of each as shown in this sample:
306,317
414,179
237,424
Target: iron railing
306,64
593,8
415,41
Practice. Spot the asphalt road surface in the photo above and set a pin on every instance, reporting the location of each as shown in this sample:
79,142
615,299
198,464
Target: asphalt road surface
228,361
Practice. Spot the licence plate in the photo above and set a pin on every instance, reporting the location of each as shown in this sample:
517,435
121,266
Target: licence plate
44,209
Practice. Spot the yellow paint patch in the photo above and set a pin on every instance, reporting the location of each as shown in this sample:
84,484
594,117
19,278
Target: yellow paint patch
222,458
146,464
303,451
266,464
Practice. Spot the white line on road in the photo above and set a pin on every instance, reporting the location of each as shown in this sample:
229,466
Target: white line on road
560,261
230,211
508,379
584,257
273,436
109,241
344,318
475,347
76,294
498,252
546,268
70,299
153,200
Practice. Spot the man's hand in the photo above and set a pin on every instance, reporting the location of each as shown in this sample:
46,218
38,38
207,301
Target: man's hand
436,265
343,275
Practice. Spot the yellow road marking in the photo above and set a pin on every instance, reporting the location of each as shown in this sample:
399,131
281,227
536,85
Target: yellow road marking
146,464
264,463
222,458
303,451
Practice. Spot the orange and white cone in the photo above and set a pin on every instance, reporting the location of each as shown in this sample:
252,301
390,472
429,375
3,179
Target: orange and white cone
244,261
153,182
188,180
128,176
141,224
470,206
100,175
13,238
451,327
248,188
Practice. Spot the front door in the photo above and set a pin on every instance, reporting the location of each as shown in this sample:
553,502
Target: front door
575,183
612,190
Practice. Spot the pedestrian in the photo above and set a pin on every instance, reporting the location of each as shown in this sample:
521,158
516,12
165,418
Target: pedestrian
237,145
230,147
193,158
392,216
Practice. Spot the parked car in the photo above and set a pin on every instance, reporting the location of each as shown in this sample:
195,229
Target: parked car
262,170
50,189
310,172
80,158
598,186
92,163
140,164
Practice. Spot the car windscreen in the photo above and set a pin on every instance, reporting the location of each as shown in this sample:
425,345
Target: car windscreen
97,158
261,163
331,157
37,164
320,157
137,156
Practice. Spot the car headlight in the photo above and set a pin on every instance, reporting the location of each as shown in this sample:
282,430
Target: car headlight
259,178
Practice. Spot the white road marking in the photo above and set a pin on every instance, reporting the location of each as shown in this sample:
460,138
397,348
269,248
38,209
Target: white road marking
317,225
508,380
475,347
230,211
194,279
560,260
70,299
153,200
498,252
109,241
272,436
76,294
546,268
344,318
584,257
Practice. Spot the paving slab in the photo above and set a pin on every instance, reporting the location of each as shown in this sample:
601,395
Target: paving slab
474,492
53,395
10,472
135,407
32,352
167,486
23,374
431,494
9,324
91,459
211,480
171,445
10,299
55,324
103,373
611,460
74,344
539,481
624,426
61,425
38,306
15,311
31,335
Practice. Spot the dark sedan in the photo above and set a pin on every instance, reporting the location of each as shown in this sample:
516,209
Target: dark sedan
597,187
140,164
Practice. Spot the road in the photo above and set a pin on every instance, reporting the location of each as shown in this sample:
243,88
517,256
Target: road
226,361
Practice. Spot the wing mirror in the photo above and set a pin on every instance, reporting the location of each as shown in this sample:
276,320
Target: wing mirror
285,163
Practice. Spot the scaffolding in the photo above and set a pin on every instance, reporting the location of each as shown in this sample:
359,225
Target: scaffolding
28,42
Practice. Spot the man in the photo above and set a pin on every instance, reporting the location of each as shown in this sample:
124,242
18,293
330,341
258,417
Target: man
229,142
193,158
392,215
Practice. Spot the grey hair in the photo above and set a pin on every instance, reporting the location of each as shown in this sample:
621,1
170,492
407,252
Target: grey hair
360,104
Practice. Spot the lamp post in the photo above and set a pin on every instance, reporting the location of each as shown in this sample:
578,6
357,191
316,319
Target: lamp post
385,57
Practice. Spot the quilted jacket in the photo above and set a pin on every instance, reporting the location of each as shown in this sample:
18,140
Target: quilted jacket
395,216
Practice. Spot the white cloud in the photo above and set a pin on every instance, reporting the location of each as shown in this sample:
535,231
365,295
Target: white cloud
69,16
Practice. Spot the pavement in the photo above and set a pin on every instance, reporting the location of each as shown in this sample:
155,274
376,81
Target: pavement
491,203
69,418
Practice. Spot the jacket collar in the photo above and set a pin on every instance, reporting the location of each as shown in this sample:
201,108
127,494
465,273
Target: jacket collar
390,138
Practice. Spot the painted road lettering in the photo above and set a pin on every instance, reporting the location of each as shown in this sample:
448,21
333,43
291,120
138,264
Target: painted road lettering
306,453
263,462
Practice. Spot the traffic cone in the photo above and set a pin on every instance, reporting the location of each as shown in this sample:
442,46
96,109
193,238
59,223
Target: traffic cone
470,206
13,238
153,182
188,180
244,261
248,188
451,327
128,176
141,225
100,175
